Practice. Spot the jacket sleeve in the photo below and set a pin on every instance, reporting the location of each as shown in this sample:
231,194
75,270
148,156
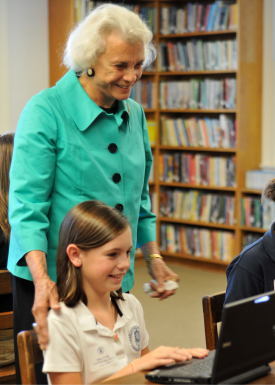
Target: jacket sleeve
242,284
146,230
31,178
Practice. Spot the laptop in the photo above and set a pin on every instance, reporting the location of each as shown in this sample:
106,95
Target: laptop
245,347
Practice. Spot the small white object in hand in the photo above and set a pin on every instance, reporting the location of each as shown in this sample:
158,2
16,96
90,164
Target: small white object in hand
168,285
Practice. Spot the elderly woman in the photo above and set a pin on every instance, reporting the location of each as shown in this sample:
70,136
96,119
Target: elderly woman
82,139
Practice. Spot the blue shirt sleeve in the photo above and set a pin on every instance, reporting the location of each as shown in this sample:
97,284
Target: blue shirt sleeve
242,284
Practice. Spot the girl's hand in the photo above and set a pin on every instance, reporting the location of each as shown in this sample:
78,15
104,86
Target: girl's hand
198,352
165,355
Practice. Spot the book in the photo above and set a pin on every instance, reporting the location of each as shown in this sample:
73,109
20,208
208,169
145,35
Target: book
152,131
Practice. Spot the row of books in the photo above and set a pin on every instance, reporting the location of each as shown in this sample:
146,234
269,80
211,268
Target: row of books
148,13
255,214
199,132
197,205
198,55
258,179
211,244
198,169
144,93
206,94
194,17
249,238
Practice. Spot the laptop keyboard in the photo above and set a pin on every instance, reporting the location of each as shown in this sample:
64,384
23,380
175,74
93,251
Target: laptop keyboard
199,369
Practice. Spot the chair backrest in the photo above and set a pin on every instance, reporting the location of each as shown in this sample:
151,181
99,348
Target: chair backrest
29,355
7,372
6,321
212,311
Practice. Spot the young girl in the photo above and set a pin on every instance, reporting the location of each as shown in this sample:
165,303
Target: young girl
99,333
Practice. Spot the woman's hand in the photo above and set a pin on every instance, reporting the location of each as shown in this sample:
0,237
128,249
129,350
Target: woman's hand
165,355
158,270
46,294
161,272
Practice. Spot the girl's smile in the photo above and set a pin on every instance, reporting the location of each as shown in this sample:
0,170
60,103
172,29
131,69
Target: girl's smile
104,267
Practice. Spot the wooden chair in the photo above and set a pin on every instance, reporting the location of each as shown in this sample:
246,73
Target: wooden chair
7,372
212,311
29,355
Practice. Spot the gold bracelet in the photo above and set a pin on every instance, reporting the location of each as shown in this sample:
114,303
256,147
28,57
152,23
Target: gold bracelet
153,256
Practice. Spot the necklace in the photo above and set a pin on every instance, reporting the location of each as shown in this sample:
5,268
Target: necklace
115,335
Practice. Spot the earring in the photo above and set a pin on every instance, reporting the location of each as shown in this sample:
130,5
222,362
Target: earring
90,72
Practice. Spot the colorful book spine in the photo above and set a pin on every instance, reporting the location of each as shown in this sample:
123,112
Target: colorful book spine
198,169
198,94
199,132
195,205
198,242
255,214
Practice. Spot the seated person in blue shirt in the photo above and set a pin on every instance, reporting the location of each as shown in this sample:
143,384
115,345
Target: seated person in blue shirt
253,271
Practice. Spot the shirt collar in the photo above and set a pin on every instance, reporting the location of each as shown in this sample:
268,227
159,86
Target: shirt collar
87,320
80,106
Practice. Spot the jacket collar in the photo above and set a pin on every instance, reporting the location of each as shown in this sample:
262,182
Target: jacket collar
80,106
269,241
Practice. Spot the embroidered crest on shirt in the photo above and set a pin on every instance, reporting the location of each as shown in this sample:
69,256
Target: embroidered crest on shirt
134,338
100,350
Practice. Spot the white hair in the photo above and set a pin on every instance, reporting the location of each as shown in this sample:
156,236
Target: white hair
87,41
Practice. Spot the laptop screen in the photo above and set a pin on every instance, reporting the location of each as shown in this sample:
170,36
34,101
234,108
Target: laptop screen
247,338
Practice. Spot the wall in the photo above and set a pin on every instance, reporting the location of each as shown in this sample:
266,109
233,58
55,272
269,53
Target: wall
24,61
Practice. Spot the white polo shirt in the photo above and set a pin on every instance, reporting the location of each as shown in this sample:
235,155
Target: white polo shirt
79,344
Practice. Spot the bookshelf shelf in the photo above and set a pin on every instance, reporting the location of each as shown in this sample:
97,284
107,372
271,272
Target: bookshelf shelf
194,186
198,34
190,73
253,229
250,191
220,111
197,223
149,110
191,257
198,149
247,113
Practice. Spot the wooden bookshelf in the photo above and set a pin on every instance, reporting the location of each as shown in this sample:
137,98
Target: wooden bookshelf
248,106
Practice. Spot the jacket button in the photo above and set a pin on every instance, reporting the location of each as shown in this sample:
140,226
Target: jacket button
116,177
112,148
119,207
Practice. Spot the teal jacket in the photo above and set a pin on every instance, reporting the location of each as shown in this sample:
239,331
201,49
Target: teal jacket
62,157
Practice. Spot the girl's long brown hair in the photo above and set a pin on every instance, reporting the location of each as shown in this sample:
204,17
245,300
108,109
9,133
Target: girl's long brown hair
6,149
88,225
